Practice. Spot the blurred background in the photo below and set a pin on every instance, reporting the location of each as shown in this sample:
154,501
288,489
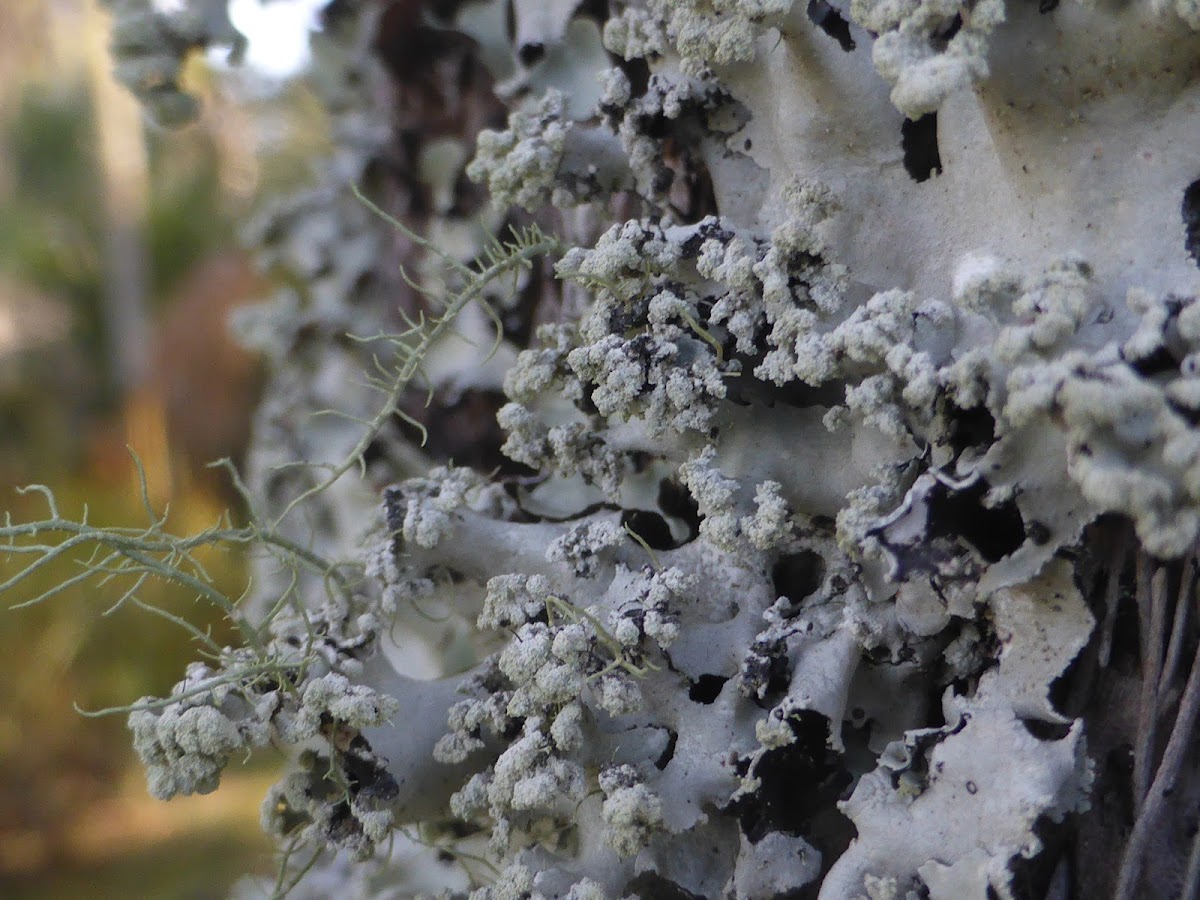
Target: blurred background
119,263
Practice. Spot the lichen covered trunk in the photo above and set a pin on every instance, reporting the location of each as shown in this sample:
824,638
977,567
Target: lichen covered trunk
824,522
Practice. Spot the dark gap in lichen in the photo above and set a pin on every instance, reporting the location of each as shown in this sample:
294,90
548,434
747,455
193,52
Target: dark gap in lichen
585,403
446,574
941,37
963,686
366,778
657,126
1188,414
530,54
510,21
1032,876
883,655
796,575
650,527
779,679
808,892
540,295
796,394
409,48
832,22
513,729
1191,220
640,460
637,70
767,671
994,531
1064,688
651,884
376,450
858,757
516,488
1159,361
336,13
918,140
677,502
444,10
342,828
1112,794
664,758
1046,731
702,197
1045,6
801,784
1039,532
1126,657
594,9
706,688
974,427
459,829
463,429
705,231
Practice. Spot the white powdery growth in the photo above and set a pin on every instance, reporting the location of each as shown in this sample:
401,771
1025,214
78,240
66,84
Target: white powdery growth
520,165
186,745
517,882
566,449
514,600
334,696
631,811
652,605
185,750
667,379
1130,445
887,343
303,689
703,32
766,528
559,672
584,545
673,112
928,49
635,33
429,504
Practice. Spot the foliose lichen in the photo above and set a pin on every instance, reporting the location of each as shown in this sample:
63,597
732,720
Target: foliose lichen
844,463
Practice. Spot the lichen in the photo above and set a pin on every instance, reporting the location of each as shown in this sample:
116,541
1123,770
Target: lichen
152,41
520,165
927,50
785,540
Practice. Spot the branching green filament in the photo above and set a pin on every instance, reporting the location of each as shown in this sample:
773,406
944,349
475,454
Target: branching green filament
620,658
499,259
153,552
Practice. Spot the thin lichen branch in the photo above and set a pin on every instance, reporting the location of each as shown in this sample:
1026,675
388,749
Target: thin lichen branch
145,553
284,885
620,657
242,678
527,244
641,542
